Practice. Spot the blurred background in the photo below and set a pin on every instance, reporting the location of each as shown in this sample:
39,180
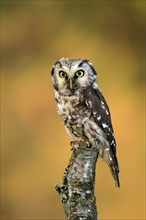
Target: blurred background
35,147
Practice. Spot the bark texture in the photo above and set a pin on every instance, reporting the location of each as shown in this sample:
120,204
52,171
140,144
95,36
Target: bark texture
77,190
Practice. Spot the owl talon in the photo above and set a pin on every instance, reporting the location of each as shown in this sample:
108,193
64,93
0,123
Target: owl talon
74,144
82,144
88,145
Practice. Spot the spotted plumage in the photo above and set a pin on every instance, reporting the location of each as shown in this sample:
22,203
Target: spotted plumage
83,108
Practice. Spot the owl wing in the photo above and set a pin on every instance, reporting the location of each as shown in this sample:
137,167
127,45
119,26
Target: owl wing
97,104
95,101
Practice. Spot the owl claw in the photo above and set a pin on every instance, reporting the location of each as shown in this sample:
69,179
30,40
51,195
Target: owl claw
82,144
74,143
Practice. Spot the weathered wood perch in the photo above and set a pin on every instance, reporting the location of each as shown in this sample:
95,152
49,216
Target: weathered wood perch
77,190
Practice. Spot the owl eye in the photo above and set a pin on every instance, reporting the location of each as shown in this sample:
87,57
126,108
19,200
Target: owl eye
79,73
62,74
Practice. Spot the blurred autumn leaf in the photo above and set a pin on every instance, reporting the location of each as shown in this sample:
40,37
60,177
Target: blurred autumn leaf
35,147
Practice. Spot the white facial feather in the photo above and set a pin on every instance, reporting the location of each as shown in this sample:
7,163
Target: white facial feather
79,82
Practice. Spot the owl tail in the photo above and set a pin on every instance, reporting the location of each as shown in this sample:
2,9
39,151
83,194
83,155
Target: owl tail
114,168
110,158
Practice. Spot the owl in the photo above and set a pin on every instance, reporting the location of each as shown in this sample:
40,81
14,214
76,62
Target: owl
84,109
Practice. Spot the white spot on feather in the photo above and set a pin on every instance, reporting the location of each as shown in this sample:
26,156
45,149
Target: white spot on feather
104,125
94,85
107,112
89,103
99,117
94,113
113,142
103,107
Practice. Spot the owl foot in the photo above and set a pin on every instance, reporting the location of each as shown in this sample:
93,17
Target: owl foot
82,144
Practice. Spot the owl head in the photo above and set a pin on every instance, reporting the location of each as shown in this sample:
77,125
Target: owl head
70,75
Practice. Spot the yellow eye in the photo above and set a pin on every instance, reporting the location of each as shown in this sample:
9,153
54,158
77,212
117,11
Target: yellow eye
79,73
62,74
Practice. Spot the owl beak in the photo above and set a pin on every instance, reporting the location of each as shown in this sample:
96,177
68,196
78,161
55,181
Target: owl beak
70,83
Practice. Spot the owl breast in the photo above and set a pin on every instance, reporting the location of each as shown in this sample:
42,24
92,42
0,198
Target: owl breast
73,112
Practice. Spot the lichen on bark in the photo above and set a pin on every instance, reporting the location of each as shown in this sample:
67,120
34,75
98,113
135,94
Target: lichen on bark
77,190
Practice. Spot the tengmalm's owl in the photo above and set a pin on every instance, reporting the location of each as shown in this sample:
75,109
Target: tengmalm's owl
83,108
